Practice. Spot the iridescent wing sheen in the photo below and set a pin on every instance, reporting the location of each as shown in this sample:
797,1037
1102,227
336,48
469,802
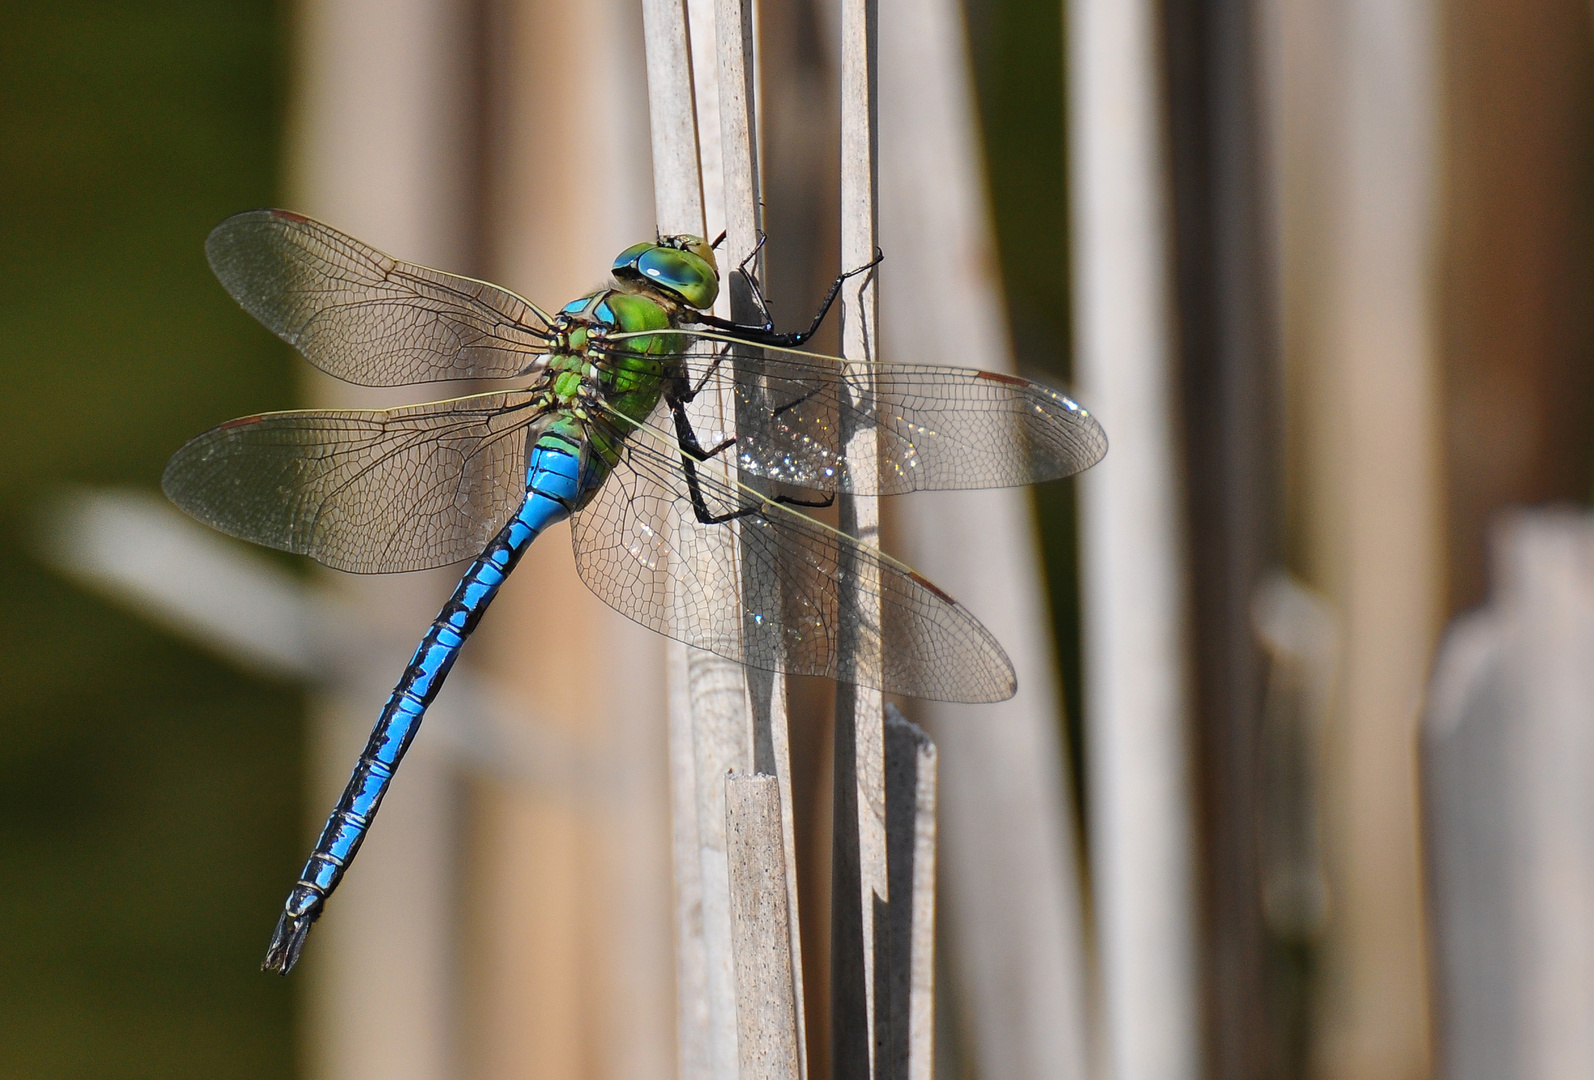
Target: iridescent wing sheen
364,491
939,428
364,317
641,547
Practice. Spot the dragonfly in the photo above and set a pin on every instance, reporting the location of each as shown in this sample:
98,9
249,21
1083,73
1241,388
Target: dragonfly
591,423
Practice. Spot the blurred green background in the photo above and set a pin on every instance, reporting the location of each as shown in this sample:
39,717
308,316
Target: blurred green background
149,795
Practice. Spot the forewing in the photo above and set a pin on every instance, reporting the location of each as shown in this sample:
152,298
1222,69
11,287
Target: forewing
364,317
940,428
641,548
364,491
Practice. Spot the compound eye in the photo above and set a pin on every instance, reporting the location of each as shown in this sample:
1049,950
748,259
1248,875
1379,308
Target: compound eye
626,258
682,272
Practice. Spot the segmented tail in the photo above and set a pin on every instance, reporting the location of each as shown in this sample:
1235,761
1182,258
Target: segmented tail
553,489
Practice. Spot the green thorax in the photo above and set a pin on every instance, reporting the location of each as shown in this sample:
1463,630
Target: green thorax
627,376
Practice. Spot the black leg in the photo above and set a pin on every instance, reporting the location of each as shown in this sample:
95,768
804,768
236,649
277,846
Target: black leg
686,435
700,506
796,402
816,504
692,453
685,393
765,335
752,283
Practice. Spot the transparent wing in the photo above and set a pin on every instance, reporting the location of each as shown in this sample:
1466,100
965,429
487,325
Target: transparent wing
641,547
369,492
364,317
939,428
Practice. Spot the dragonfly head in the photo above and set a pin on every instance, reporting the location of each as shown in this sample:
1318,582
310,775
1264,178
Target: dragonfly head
683,267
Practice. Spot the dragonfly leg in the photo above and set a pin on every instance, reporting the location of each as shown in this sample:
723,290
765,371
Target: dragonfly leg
811,504
686,435
700,505
765,335
793,404
707,517
692,453
552,491
687,393
753,284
